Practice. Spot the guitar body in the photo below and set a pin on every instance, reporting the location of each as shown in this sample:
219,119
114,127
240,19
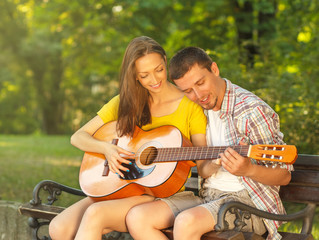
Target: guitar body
156,179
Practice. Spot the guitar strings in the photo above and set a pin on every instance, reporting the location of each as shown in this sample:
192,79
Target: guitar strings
210,153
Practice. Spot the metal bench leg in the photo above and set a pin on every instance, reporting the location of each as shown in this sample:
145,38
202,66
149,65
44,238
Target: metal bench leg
35,226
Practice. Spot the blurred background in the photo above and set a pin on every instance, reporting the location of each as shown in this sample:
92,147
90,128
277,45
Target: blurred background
60,60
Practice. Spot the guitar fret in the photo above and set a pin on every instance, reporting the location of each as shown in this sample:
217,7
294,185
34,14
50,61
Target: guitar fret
204,153
194,153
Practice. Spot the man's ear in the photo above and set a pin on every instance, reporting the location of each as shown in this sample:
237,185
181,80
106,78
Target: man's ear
215,68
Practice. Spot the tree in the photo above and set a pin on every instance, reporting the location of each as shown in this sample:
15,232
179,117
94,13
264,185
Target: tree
71,53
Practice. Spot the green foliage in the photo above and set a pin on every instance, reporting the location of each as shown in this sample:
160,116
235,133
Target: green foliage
296,226
60,59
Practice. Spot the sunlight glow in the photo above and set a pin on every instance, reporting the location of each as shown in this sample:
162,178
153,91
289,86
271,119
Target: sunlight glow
117,8
304,37
292,69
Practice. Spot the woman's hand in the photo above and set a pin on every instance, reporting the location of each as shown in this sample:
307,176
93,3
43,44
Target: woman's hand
115,156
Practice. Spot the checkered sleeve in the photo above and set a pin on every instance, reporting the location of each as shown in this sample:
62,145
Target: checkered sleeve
264,128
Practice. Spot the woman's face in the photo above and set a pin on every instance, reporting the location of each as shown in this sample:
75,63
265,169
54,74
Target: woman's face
151,72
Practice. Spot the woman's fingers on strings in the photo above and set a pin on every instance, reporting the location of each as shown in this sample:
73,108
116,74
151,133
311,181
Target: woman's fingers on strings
124,155
116,167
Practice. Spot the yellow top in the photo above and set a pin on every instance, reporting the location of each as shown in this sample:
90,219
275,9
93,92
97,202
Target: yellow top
189,117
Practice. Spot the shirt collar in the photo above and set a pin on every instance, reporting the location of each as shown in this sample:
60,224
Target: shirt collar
228,101
228,104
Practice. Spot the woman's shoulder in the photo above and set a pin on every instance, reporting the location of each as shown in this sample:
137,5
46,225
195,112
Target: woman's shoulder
111,105
114,101
116,98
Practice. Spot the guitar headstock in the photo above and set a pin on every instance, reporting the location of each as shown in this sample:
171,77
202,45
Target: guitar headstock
274,153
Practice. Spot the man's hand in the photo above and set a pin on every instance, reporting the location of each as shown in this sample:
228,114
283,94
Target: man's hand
236,164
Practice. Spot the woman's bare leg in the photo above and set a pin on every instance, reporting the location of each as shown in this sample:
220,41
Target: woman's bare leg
65,225
146,220
106,216
192,223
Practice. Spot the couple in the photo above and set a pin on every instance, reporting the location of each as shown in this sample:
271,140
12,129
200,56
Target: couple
147,99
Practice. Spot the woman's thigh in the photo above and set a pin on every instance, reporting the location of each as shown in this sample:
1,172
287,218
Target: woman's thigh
68,221
112,213
156,214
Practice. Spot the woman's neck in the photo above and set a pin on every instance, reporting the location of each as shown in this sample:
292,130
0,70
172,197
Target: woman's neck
168,93
166,102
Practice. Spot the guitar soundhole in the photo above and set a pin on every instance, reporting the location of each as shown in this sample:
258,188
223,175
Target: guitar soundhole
148,156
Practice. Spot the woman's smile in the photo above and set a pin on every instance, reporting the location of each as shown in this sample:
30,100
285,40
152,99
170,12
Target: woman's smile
156,86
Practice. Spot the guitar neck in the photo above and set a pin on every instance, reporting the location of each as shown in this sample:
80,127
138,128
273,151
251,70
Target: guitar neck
196,153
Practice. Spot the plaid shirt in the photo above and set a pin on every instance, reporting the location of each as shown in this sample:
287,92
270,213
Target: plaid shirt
251,120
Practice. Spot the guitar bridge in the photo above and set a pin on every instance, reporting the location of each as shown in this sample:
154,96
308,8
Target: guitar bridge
106,164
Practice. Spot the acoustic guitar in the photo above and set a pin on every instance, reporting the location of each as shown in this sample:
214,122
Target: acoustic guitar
162,162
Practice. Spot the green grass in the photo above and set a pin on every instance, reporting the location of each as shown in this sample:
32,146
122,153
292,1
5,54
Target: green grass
26,160
297,225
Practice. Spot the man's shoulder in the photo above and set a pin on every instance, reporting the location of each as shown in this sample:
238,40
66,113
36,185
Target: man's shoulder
248,100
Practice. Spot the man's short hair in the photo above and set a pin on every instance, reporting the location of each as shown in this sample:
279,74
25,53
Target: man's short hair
185,59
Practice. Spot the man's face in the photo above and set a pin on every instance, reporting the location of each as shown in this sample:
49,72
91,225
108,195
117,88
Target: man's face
203,87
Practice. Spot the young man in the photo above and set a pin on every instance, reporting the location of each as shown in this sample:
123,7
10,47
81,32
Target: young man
235,116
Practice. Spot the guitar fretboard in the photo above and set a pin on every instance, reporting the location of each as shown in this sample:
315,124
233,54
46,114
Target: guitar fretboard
194,153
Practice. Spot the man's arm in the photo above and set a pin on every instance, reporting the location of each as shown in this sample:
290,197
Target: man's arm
205,168
242,166
264,128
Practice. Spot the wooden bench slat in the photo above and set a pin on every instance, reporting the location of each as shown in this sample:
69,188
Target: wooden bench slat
300,194
192,184
229,235
40,211
305,177
305,161
296,236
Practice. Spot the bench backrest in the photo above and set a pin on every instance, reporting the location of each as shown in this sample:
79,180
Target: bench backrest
304,184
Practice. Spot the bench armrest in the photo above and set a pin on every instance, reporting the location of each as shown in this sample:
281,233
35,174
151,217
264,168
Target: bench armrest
54,189
244,211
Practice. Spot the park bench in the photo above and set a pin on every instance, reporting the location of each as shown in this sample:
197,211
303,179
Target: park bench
303,188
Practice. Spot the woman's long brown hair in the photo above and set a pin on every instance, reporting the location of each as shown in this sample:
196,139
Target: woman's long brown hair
134,107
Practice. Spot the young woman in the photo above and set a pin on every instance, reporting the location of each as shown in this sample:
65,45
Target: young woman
147,100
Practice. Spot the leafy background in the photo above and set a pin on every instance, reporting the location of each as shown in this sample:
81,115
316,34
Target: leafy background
60,59
59,63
